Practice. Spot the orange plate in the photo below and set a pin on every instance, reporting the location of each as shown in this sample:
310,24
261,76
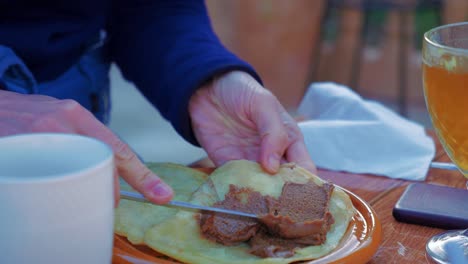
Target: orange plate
359,244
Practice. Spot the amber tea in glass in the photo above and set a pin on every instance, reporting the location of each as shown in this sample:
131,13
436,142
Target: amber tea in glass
445,79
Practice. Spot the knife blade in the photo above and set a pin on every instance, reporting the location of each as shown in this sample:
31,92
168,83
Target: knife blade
443,165
140,198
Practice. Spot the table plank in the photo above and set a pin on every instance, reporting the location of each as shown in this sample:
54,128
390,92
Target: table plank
368,187
401,243
404,243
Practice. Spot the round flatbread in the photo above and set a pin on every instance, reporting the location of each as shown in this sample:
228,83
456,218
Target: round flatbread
179,237
132,219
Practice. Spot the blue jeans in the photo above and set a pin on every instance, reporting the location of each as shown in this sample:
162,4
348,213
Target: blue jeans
86,82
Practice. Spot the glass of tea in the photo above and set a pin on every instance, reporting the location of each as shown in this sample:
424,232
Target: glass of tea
445,79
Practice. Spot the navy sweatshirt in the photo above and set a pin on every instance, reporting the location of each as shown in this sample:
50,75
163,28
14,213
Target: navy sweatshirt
167,48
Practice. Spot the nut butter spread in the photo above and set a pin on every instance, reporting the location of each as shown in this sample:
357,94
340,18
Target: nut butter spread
229,229
298,218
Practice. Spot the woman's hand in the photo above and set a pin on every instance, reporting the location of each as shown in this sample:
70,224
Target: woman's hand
234,117
36,113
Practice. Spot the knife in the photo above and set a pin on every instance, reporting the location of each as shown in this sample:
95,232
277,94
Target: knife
140,198
443,165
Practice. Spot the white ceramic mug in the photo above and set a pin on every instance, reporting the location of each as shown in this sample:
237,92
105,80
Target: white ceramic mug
56,199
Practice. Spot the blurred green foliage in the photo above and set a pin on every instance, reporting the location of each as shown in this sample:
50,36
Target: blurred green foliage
424,20
425,16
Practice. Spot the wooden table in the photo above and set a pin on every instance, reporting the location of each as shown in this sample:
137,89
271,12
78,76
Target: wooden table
401,243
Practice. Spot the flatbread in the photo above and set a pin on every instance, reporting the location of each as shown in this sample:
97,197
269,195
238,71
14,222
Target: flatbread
179,237
132,219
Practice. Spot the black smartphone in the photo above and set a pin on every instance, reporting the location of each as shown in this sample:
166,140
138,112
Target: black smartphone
433,205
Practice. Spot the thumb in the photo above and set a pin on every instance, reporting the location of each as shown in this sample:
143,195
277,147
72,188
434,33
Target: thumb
274,135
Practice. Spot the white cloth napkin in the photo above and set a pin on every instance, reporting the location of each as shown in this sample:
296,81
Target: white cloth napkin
344,132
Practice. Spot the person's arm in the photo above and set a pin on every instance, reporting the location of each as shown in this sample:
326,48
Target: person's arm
168,49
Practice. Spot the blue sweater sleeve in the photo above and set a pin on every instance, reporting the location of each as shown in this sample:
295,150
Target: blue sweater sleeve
168,49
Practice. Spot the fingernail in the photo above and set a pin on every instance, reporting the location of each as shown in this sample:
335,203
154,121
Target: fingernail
162,190
273,162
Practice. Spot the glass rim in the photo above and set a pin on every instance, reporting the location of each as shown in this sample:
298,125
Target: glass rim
445,47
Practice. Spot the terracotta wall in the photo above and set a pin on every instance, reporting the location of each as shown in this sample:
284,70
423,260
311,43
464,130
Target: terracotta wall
279,37
276,36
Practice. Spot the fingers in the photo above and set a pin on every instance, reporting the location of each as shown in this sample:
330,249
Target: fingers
116,188
138,175
281,138
127,162
274,138
297,152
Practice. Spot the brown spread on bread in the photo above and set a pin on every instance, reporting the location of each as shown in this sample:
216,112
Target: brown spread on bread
298,218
